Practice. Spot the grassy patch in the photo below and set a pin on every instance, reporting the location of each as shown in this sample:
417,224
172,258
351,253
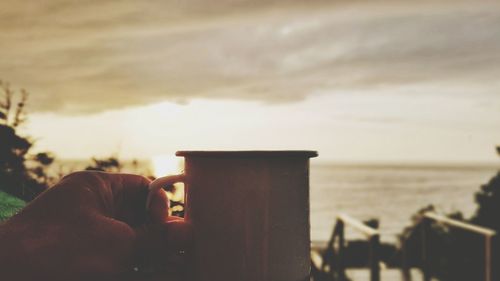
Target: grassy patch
9,205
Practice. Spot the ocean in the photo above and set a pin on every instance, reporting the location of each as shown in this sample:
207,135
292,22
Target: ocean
389,193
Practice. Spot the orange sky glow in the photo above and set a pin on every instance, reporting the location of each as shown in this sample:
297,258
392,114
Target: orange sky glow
359,81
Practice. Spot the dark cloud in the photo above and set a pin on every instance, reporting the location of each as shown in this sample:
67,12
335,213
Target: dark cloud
87,56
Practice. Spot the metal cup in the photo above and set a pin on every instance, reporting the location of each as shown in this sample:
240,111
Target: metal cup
250,214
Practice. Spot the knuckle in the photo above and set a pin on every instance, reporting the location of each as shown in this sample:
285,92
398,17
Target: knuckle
82,175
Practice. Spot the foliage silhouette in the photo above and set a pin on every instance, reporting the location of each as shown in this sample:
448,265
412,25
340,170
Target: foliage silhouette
488,201
22,174
454,254
110,164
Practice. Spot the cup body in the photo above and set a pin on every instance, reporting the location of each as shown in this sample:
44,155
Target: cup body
250,214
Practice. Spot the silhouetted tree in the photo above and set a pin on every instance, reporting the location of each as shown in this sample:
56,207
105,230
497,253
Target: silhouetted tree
21,174
11,109
488,201
455,254
110,164
452,254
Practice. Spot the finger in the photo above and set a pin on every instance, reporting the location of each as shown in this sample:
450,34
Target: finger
174,218
159,183
119,196
163,249
129,194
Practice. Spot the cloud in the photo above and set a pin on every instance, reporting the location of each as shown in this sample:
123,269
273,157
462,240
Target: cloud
93,56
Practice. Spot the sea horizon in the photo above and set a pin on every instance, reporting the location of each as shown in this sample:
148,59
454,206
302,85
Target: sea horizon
319,162
389,192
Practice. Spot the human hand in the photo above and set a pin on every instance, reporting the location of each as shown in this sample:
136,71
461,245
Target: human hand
95,226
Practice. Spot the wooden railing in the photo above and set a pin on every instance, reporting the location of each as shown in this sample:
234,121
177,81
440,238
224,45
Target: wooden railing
334,257
425,220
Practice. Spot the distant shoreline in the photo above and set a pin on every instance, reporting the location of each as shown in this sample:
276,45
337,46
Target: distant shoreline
383,165
314,162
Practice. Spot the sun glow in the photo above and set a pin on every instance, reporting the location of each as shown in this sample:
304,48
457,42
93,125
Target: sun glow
164,165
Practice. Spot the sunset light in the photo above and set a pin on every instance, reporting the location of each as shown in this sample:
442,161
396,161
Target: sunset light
168,164
250,140
165,165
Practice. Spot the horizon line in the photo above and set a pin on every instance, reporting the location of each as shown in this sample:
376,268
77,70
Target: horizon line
345,163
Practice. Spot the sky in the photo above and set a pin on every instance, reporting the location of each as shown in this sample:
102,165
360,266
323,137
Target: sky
359,81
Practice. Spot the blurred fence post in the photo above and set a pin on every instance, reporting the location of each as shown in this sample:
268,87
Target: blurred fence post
405,267
341,252
374,258
426,225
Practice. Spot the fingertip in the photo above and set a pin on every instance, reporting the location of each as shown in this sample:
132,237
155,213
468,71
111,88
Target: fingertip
157,203
175,218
